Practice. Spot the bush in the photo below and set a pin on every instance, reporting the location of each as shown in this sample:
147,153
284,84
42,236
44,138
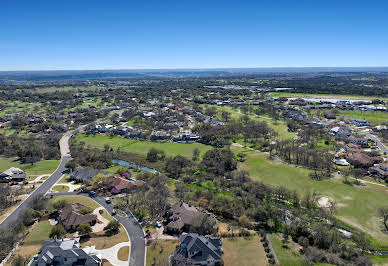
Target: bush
59,204
84,229
86,210
112,227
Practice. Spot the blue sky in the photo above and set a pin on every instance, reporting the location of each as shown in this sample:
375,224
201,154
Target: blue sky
115,34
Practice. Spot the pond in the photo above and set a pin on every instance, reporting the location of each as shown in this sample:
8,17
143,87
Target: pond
132,165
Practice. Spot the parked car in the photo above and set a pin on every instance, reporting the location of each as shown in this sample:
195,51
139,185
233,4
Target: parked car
92,193
107,200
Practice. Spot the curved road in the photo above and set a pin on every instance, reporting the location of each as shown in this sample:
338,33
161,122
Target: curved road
134,229
13,218
376,140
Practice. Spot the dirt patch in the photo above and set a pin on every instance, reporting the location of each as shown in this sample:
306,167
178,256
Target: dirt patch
324,202
347,198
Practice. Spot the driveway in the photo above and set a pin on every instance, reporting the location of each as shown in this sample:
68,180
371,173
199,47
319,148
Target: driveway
110,254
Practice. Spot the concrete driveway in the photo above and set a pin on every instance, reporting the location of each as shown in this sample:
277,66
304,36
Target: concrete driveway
110,254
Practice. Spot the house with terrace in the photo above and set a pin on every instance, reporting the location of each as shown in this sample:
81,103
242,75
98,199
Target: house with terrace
380,170
118,184
65,251
199,250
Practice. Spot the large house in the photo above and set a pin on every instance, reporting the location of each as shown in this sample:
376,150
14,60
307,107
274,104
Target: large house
71,216
381,170
13,174
84,175
199,250
358,140
183,217
118,184
65,251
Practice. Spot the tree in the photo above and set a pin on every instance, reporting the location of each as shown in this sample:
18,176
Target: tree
72,164
59,204
383,214
112,226
84,229
20,261
154,155
99,181
57,231
196,153
243,220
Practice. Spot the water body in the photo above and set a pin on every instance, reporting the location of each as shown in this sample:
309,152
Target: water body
317,100
132,165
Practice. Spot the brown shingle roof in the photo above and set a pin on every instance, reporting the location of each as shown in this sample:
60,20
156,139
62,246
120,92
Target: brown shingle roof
71,215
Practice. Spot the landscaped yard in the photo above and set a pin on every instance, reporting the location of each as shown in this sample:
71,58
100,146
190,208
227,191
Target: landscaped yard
142,147
243,251
39,168
123,253
80,199
61,188
160,251
356,205
287,256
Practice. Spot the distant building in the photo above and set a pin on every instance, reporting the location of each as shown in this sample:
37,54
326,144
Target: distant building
65,251
360,123
84,175
13,174
381,170
199,250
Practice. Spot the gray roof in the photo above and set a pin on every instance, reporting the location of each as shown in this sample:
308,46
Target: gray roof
200,249
55,252
85,174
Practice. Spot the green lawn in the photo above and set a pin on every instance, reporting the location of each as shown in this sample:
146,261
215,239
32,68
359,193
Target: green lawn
61,188
39,168
286,256
160,252
80,199
279,127
142,147
356,206
40,233
323,96
243,251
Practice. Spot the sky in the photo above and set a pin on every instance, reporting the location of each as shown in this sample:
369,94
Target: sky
163,34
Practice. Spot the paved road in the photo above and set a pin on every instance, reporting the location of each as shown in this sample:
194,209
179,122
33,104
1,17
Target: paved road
135,231
13,218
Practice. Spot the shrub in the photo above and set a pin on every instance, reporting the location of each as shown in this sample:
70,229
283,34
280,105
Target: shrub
58,231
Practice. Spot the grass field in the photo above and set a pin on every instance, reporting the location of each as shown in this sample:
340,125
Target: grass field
241,251
39,168
161,251
80,199
356,205
323,96
287,256
142,147
279,127
374,117
61,188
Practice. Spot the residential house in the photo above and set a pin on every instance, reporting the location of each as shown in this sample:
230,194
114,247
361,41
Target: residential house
358,140
199,249
183,217
66,251
360,159
84,175
71,216
118,184
360,123
381,170
13,174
